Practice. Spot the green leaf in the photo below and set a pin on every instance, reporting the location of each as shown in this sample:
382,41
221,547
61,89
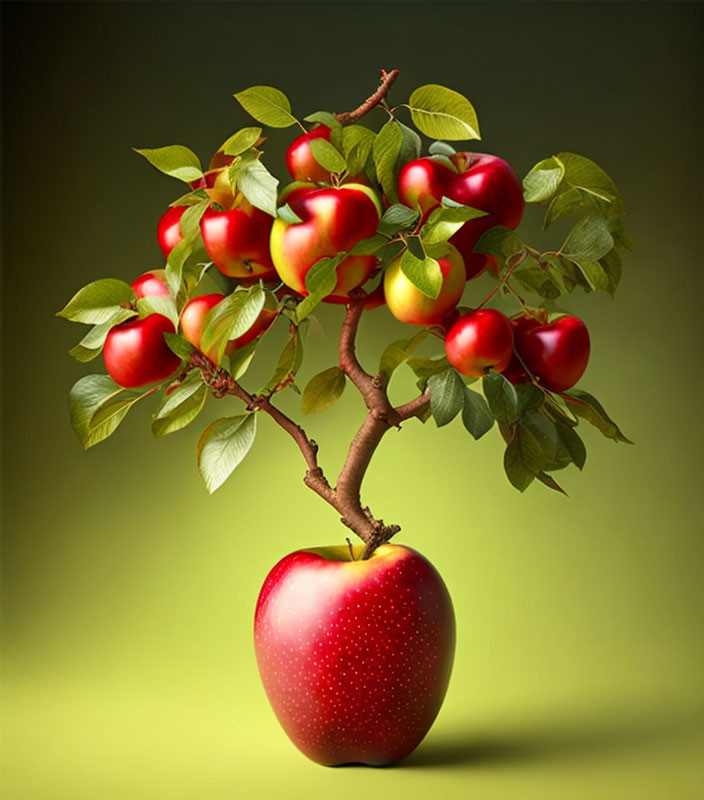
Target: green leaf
323,391
516,471
588,407
230,318
545,431
368,246
444,223
267,105
442,113
222,446
533,456
397,352
180,407
324,118
158,305
288,364
175,160
584,174
611,264
424,274
175,262
502,397
529,396
92,343
288,215
357,143
564,204
589,240
320,280
573,444
259,186
424,368
87,395
446,396
327,155
385,150
410,147
441,149
499,241
115,408
542,181
241,141
476,417
396,218
97,302
178,345
242,358
550,482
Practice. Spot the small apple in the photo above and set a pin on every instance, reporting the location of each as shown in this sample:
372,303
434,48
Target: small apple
193,321
480,341
151,284
168,230
408,304
556,352
355,656
333,220
299,157
135,353
478,180
237,240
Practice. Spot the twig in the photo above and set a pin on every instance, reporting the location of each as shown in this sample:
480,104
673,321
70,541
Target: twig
350,117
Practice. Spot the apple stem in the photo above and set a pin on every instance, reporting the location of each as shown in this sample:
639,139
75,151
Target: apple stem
350,117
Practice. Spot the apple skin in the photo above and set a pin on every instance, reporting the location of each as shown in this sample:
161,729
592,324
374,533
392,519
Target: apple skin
237,240
482,181
299,157
333,220
168,231
135,353
355,656
151,284
556,352
410,305
480,341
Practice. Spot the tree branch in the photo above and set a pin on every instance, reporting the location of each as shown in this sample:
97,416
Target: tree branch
350,117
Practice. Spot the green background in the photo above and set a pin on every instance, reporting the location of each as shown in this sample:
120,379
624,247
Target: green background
129,593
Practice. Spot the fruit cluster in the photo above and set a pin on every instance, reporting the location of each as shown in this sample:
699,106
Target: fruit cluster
368,221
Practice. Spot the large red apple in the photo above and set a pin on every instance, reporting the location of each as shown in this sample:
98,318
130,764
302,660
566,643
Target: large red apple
135,353
355,656
557,352
333,220
481,181
237,240
408,304
480,341
151,284
299,157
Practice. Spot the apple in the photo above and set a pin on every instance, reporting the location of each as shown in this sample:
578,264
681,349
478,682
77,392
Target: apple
151,284
237,240
216,184
333,219
409,304
135,353
355,656
299,157
556,352
478,180
193,321
480,341
168,230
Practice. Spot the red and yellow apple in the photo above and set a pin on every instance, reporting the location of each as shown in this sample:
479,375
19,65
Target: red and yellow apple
481,181
480,341
168,229
409,304
237,240
136,354
333,220
300,162
355,656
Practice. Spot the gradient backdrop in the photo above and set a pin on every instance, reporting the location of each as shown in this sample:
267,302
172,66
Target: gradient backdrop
129,593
